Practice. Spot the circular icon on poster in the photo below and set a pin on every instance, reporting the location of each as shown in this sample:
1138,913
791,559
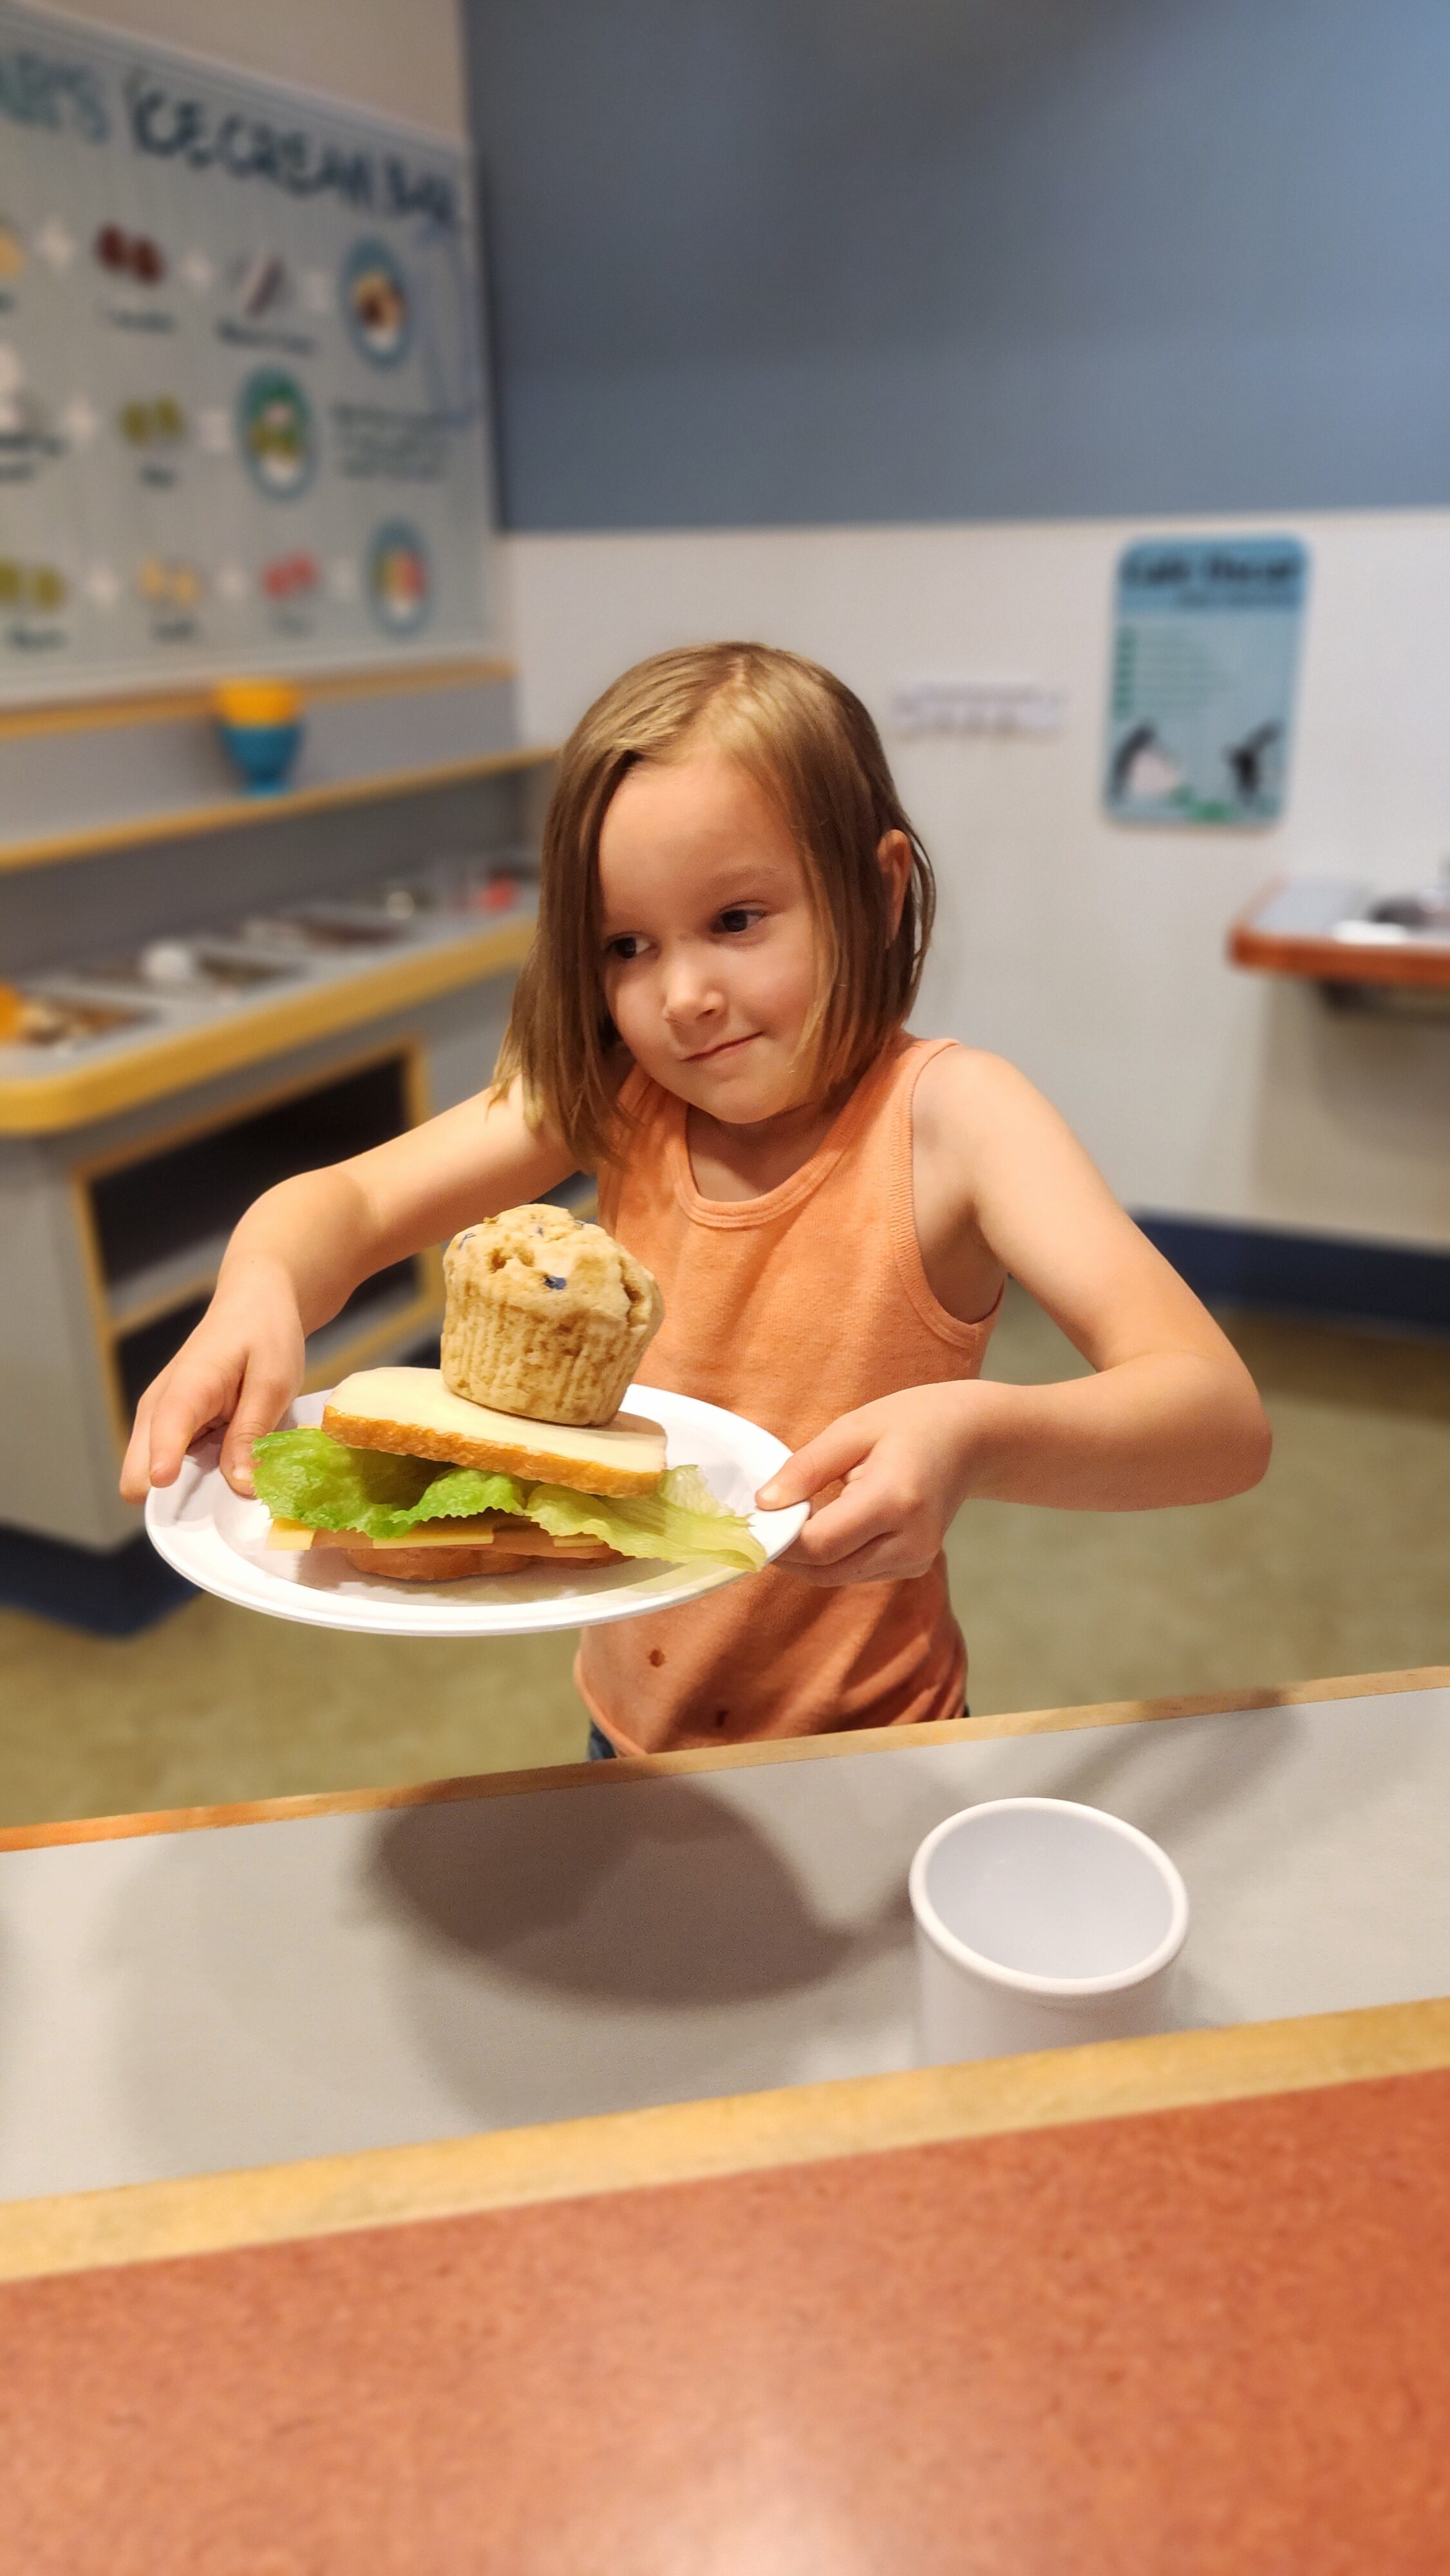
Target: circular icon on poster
277,435
376,303
400,578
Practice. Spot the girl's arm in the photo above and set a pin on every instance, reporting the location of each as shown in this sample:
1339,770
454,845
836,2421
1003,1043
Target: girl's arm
298,1254
1170,1415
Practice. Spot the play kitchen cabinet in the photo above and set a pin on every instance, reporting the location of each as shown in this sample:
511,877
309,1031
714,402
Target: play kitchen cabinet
196,1010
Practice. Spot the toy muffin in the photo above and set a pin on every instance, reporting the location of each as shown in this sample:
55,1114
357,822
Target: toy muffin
545,1316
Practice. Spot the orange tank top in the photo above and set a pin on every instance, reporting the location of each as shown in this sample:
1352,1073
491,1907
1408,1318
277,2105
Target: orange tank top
791,1309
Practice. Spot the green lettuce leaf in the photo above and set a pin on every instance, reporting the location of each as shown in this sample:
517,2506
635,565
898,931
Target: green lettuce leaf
680,1522
308,1476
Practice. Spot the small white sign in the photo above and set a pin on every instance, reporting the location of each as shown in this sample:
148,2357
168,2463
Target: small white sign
979,707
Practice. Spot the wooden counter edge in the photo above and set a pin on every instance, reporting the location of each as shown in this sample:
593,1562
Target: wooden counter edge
733,1757
1336,961
700,2141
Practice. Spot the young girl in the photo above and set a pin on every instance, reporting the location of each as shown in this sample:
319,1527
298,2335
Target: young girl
733,914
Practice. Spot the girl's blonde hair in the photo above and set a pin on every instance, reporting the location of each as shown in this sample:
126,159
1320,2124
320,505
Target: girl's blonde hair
808,741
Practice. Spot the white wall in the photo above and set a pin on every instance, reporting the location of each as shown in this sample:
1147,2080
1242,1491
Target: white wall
401,57
1092,953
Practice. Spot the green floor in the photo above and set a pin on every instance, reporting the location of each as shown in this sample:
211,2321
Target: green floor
1338,1564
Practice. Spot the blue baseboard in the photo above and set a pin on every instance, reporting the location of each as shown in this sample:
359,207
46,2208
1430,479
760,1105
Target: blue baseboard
107,1592
1309,1274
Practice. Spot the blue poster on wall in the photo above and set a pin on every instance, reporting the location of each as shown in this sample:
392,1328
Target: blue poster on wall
241,417
1205,652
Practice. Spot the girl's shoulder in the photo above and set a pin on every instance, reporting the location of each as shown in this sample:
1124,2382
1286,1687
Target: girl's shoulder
988,1146
963,1088
982,1134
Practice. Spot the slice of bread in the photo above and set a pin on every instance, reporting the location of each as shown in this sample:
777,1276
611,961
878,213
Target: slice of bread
412,1412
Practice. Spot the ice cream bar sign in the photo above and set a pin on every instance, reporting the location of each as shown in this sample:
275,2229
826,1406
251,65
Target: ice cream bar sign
1205,654
241,415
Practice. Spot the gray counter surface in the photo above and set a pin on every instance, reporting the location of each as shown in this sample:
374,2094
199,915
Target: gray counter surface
183,2003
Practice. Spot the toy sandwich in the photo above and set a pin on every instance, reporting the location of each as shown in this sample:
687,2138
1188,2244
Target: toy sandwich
513,1452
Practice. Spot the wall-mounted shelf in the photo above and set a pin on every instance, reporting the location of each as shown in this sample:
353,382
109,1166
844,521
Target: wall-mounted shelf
44,1103
1324,931
78,781
244,811
192,702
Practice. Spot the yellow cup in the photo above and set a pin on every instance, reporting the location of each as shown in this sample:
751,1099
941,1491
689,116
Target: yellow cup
256,702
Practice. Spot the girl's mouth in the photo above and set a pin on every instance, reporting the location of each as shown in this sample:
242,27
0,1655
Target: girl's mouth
729,1046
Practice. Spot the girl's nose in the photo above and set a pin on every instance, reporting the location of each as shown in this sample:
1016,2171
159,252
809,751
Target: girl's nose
688,991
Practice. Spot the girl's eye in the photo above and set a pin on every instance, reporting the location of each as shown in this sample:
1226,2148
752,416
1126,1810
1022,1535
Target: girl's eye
738,917
623,948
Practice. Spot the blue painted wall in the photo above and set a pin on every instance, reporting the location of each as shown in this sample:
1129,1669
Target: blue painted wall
765,261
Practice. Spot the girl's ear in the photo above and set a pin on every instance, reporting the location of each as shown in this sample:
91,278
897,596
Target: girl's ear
893,857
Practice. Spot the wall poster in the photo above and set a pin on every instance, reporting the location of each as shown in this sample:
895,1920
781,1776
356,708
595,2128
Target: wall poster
241,417
1205,652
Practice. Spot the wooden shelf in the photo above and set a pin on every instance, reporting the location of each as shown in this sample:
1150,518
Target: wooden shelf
45,1103
242,811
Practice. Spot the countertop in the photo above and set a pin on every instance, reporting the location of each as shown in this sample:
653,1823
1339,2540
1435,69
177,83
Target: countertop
1168,2302
572,1943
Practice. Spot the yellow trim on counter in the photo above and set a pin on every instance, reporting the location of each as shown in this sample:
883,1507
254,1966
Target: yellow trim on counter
315,688
43,1104
294,1086
707,2140
242,809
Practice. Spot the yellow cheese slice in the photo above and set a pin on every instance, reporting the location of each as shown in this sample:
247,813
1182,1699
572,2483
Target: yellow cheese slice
478,1532
514,1535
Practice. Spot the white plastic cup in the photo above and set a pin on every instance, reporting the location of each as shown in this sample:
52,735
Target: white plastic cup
1041,1924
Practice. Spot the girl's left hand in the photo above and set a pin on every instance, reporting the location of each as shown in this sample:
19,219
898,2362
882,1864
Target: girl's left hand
899,1468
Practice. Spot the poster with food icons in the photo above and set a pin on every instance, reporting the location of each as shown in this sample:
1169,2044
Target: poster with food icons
241,404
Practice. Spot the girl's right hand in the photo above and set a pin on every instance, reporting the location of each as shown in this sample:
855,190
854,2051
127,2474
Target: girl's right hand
239,1370
301,1250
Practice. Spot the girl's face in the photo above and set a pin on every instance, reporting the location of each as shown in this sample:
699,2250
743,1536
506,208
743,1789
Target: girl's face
710,953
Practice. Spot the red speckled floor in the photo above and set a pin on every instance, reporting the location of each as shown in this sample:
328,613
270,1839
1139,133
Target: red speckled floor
1202,2341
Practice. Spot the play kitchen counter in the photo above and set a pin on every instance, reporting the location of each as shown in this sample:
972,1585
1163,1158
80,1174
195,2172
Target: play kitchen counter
204,991
105,1034
588,2266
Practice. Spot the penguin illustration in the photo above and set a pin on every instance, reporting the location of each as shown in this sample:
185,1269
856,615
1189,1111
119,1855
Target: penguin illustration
1143,770
1248,762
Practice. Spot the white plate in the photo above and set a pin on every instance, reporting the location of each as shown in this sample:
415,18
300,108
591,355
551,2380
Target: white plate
216,1540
